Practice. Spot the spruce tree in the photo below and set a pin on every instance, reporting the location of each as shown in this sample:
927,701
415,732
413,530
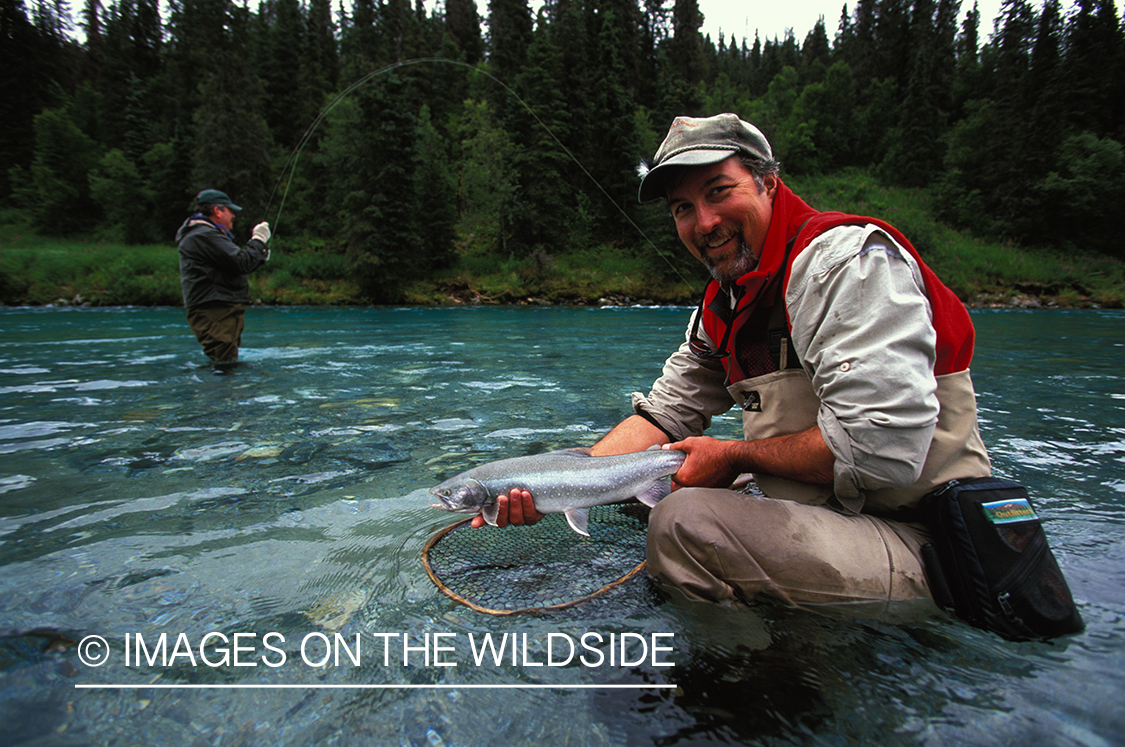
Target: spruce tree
462,23
23,89
288,103
230,136
816,55
685,54
434,193
860,50
541,201
509,36
57,189
323,57
613,132
1095,64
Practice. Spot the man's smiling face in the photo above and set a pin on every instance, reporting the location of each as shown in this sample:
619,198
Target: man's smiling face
722,216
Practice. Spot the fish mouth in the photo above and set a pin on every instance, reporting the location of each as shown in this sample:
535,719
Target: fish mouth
442,501
445,503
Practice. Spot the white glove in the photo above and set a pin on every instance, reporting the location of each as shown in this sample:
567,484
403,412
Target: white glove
262,232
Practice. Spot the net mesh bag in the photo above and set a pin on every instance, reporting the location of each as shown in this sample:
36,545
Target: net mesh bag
546,566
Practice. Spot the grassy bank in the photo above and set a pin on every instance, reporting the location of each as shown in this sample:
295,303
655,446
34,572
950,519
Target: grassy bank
981,272
36,270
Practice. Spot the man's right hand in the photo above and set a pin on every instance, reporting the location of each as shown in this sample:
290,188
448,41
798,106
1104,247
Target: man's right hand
517,508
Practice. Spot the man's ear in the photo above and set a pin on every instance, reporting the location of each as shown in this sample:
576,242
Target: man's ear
769,184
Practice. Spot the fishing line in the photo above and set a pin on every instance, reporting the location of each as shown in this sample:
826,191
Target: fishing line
291,163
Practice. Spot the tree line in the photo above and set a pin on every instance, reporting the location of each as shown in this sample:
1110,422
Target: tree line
404,139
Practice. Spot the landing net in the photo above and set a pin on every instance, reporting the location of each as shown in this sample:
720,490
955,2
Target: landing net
546,566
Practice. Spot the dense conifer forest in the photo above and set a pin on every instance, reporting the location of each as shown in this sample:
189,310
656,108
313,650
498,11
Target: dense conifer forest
395,141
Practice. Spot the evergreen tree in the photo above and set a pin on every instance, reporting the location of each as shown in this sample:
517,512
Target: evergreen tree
434,193
487,185
117,185
1090,177
372,152
828,108
614,162
462,24
23,89
361,42
398,27
1045,85
323,55
1095,63
56,188
686,49
509,36
655,26
860,51
289,103
893,42
230,136
967,74
815,54
540,201
915,154
92,26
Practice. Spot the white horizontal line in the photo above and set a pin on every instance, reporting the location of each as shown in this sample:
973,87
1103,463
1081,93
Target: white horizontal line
240,686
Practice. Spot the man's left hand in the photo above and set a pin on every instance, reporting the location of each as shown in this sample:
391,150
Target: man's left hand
517,508
708,463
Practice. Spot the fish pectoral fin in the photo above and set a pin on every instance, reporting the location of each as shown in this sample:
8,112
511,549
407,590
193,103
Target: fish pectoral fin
489,513
655,492
578,518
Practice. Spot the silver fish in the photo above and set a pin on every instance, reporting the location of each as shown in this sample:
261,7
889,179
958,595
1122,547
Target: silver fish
567,482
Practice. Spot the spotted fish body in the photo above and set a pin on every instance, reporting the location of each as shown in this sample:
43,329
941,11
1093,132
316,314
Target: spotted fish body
567,482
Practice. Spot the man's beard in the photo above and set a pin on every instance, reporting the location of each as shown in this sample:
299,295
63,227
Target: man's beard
733,268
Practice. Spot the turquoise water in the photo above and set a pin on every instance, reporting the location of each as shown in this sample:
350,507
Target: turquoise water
141,495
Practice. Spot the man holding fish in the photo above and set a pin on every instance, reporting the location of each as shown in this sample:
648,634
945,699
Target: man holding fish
849,359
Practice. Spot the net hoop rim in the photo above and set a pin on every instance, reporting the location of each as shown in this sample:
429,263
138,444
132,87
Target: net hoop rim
524,610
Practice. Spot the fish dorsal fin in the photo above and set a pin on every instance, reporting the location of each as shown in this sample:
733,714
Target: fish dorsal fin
578,518
575,451
655,493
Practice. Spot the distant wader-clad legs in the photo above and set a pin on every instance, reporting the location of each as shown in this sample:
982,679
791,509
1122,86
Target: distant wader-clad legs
218,327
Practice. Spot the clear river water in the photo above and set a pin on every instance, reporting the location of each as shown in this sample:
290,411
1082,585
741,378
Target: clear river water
278,510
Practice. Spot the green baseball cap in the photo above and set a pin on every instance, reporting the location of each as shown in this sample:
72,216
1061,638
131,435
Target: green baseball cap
215,197
695,141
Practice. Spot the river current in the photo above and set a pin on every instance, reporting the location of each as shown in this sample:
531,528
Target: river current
280,509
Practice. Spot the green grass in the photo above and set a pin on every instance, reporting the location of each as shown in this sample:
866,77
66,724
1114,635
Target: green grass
586,277
979,271
36,270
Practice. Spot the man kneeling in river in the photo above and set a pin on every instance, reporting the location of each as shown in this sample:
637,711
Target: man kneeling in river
850,361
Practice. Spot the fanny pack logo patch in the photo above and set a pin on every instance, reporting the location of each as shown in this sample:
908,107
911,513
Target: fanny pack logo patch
1008,512
753,402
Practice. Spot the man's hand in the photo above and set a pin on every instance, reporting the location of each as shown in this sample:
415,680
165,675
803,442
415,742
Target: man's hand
517,508
262,232
711,463
708,463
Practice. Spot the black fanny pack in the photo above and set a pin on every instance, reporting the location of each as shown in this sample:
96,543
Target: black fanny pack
989,562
